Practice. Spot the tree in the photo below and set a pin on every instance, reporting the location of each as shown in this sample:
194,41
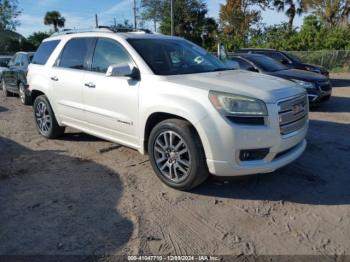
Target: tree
152,10
8,14
236,17
331,12
190,20
54,18
291,9
36,38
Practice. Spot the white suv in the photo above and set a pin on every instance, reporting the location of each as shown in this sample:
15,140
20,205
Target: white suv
169,98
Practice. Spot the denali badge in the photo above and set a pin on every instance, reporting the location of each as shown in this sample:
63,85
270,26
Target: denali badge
298,108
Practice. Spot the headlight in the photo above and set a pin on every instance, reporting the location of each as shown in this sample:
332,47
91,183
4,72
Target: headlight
306,85
236,105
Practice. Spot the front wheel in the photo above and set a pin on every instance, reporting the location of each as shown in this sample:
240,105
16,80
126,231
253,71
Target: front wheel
25,99
177,154
45,119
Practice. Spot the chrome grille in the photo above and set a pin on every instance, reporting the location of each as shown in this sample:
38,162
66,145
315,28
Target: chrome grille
293,114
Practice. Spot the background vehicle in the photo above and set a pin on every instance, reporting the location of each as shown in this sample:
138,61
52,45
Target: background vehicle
317,86
14,78
4,60
167,97
287,59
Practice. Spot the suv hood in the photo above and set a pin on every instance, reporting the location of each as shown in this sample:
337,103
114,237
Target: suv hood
270,89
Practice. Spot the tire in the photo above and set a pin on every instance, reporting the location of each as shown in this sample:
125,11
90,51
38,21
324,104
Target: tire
180,164
25,99
5,92
45,119
326,98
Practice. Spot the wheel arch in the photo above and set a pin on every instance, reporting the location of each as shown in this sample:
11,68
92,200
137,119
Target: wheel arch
156,117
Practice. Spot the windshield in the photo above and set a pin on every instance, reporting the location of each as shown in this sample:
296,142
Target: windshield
4,62
267,64
176,56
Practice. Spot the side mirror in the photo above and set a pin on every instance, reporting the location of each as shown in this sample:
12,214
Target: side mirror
125,70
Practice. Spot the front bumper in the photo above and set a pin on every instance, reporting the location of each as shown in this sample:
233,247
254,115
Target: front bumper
226,141
320,92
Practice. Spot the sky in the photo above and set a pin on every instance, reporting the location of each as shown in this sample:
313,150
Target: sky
80,13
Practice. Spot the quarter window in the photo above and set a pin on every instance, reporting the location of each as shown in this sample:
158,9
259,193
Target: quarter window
108,52
44,51
75,53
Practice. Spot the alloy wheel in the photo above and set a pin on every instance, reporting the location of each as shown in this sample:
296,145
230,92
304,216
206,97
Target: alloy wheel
43,117
172,156
22,94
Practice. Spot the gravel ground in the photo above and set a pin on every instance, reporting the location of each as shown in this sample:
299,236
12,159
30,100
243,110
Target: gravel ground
82,195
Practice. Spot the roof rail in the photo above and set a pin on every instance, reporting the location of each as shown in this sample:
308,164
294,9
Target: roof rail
102,29
87,30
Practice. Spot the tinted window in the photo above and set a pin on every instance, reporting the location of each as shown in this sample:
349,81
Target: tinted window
175,56
108,52
266,63
242,63
44,51
294,58
4,62
75,53
275,55
18,60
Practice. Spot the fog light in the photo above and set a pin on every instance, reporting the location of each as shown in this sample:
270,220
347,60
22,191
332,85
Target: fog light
253,154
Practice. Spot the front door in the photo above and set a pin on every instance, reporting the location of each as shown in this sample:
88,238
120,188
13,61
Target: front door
111,103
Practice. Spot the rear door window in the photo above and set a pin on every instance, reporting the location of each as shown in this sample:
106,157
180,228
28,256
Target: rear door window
44,52
75,54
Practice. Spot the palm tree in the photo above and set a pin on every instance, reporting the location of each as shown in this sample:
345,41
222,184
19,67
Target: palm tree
291,8
54,18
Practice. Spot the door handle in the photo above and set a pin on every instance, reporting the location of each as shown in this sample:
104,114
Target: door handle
54,78
90,85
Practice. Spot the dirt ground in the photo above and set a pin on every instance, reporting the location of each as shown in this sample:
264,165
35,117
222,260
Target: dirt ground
82,195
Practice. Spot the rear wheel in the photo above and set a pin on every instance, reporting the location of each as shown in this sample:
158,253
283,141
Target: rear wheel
45,119
5,92
25,99
177,155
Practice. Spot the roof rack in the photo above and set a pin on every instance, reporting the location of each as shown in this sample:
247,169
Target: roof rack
103,29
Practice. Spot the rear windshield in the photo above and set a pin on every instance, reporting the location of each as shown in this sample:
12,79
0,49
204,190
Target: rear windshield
44,52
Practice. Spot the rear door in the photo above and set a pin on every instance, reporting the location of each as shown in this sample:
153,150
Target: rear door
67,77
11,75
111,103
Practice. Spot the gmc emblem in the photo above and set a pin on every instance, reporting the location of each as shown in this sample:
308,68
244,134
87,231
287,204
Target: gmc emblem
298,108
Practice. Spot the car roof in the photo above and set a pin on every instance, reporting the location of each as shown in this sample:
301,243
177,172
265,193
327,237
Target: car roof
256,49
104,32
247,55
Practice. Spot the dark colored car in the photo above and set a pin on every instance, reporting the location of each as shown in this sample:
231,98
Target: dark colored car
287,59
14,78
317,86
4,61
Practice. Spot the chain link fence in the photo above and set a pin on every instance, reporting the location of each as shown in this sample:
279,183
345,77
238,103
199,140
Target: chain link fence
333,60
